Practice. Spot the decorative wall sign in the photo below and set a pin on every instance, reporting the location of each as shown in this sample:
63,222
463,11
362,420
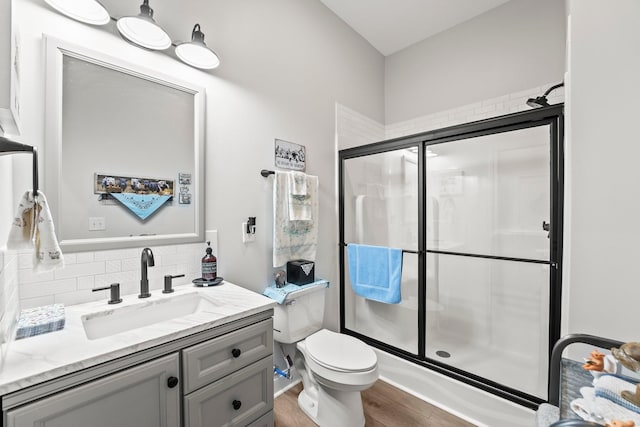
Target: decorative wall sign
184,178
104,183
289,155
184,197
142,196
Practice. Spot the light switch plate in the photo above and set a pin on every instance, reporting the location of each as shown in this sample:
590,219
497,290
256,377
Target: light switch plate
247,237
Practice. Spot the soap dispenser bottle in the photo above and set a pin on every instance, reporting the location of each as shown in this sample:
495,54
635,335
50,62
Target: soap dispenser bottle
209,264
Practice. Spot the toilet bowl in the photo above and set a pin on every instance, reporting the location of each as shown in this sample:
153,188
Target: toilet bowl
335,368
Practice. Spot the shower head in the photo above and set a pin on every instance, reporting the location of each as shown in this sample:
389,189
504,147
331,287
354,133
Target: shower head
541,101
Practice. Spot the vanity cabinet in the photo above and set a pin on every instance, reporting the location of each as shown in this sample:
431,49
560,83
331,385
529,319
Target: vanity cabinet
143,396
218,377
228,381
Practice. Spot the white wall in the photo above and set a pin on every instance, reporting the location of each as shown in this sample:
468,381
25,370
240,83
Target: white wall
513,47
601,250
285,63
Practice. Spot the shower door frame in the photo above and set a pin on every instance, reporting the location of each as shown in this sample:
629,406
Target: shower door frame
553,116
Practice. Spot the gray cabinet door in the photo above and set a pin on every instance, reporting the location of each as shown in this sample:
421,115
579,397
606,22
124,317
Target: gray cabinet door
136,397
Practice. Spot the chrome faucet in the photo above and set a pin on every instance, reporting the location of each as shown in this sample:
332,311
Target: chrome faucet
146,260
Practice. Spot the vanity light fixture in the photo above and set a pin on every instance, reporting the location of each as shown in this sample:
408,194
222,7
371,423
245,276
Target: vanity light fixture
143,30
87,11
196,53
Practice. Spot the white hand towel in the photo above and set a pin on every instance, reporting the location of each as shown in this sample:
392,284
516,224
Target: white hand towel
299,197
298,183
293,239
598,409
33,226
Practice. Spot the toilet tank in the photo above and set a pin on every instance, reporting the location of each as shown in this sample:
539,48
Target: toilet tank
300,314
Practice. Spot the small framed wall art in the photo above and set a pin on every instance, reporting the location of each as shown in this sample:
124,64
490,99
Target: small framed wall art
289,155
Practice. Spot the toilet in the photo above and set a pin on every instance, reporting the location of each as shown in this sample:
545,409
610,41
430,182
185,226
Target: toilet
334,367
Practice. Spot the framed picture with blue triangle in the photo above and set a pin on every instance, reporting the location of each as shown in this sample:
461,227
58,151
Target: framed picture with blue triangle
141,195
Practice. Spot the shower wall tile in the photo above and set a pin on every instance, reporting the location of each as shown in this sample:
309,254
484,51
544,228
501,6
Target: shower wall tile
354,129
498,106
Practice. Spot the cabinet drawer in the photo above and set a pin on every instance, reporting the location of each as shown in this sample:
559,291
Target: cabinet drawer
211,360
234,400
266,420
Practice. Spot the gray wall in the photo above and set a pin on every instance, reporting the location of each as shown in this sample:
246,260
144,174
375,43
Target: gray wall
285,64
513,47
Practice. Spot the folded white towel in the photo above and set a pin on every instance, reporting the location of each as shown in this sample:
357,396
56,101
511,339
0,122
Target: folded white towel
33,227
299,197
298,183
613,388
598,409
293,239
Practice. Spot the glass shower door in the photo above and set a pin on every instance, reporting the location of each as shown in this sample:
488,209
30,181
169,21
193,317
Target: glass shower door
488,256
381,209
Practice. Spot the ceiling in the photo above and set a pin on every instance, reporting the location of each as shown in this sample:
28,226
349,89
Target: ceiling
392,25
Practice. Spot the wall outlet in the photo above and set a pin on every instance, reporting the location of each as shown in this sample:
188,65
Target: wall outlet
247,237
97,223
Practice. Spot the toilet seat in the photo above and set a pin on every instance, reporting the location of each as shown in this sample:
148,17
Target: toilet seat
339,352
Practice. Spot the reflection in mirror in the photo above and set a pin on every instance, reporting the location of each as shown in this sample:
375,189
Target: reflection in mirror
113,127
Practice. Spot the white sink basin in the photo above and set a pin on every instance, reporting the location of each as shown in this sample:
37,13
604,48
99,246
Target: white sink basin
110,322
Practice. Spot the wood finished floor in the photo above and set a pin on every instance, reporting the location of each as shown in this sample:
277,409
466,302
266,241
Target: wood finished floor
384,406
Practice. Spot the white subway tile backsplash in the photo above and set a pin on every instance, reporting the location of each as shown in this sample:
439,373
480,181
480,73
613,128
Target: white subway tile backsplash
116,254
84,271
33,290
130,264
25,260
28,275
80,296
112,266
36,302
70,259
84,257
86,282
76,270
102,280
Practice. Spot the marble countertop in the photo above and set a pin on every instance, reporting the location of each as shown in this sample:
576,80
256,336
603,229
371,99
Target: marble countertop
43,357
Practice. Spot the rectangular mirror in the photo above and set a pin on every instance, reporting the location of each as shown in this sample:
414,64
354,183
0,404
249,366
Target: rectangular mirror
139,133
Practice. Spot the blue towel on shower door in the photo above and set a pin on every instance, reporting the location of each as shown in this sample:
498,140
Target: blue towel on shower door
375,272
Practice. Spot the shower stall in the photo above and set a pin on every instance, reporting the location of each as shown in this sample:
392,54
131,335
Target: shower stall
477,211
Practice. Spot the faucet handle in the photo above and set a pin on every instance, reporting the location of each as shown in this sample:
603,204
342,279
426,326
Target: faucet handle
115,292
167,283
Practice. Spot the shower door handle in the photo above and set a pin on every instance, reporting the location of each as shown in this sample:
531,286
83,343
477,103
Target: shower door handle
546,226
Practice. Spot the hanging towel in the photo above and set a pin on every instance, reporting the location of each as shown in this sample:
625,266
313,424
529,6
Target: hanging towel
375,272
143,205
33,226
293,239
300,204
297,183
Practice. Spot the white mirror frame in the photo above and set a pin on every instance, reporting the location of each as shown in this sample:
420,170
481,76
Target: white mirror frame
55,50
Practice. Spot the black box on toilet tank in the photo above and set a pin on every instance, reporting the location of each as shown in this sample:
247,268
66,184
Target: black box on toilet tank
300,272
